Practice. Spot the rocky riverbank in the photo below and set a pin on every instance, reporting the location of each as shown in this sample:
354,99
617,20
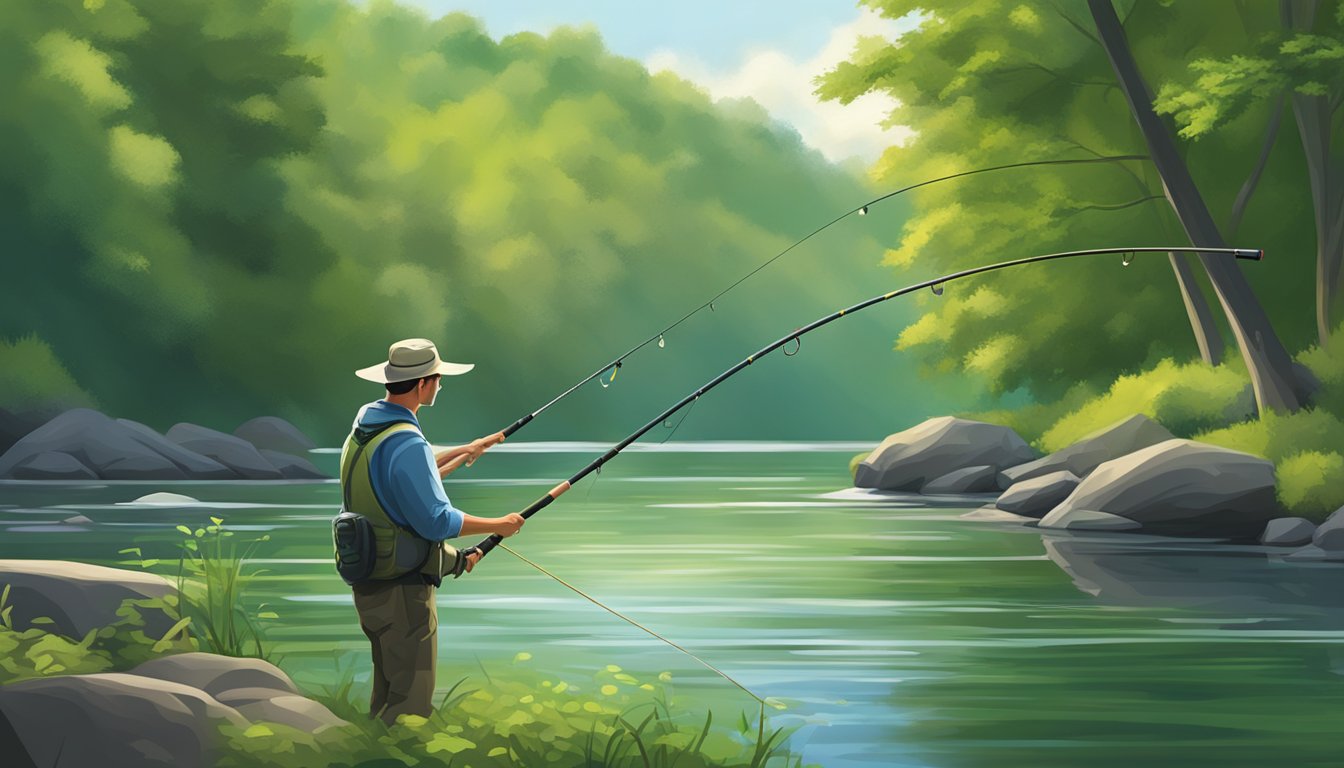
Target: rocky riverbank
164,711
83,444
1133,476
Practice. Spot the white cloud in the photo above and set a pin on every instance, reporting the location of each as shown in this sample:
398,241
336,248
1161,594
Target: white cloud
784,86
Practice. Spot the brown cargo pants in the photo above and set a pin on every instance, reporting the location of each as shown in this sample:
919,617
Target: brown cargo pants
401,622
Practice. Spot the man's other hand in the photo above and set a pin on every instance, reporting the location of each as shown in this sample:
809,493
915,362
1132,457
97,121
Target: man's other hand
509,524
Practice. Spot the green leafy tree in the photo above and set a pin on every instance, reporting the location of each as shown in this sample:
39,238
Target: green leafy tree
1299,63
989,82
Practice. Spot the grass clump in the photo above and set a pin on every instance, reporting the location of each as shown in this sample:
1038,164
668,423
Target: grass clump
612,719
210,582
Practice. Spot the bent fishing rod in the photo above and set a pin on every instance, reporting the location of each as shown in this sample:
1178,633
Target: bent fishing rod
936,285
615,364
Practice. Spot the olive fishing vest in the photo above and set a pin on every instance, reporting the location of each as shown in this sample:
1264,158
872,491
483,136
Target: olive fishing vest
397,551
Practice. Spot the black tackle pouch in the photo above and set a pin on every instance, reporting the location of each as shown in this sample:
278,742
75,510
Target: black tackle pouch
355,547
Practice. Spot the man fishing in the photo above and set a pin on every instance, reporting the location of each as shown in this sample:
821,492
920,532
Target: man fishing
391,485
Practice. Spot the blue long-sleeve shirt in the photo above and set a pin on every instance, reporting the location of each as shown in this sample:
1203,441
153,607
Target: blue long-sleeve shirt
405,477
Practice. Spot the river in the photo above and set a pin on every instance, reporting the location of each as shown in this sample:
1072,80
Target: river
897,633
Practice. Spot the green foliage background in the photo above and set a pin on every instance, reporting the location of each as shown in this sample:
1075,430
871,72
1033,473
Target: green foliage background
221,209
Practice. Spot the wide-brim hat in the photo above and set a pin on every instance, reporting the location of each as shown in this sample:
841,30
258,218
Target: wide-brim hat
412,359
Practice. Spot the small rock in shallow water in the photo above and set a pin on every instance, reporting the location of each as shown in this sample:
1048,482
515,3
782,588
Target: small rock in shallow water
1288,532
77,520
163,497
1330,535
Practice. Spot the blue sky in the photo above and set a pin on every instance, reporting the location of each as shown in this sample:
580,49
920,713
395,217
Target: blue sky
769,52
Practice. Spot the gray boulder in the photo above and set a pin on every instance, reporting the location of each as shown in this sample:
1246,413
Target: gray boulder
1176,488
1288,532
109,449
992,514
276,434
1089,520
193,465
79,597
233,452
216,674
907,461
111,720
969,480
1123,437
51,465
143,467
1330,535
291,466
1039,495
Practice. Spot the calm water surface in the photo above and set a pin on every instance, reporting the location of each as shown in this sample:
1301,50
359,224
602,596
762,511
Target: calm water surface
897,633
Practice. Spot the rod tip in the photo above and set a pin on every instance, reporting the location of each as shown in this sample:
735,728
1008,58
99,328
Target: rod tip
1254,254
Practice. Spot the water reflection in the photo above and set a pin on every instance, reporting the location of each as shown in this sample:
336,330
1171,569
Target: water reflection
1242,583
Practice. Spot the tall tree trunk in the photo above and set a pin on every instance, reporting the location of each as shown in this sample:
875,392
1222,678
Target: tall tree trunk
1207,337
1313,115
1267,361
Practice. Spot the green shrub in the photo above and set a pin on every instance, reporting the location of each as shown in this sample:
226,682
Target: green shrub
1276,437
1031,421
32,378
1328,366
1183,398
1311,484
1301,445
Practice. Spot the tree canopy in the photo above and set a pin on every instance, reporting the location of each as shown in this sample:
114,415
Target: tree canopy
224,208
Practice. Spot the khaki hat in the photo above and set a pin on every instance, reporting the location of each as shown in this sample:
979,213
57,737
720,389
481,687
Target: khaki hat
411,359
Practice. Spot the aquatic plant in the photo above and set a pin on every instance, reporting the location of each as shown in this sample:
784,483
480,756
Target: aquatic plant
210,580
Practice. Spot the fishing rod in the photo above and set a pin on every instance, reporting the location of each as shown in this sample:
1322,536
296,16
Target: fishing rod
936,285
615,364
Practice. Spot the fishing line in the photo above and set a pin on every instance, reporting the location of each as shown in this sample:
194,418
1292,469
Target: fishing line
636,624
862,210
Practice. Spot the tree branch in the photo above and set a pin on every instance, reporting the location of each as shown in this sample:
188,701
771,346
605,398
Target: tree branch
1116,207
1056,75
1081,29
1248,188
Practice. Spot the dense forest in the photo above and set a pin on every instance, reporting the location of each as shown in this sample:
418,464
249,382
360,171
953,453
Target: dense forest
215,210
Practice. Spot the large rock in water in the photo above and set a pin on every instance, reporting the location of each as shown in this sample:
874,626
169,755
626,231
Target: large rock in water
291,466
1121,438
908,460
79,597
969,480
1039,495
50,465
165,712
104,448
233,452
276,434
1175,488
195,465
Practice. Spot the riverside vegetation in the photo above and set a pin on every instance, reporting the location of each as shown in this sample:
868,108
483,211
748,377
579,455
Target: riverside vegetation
612,718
